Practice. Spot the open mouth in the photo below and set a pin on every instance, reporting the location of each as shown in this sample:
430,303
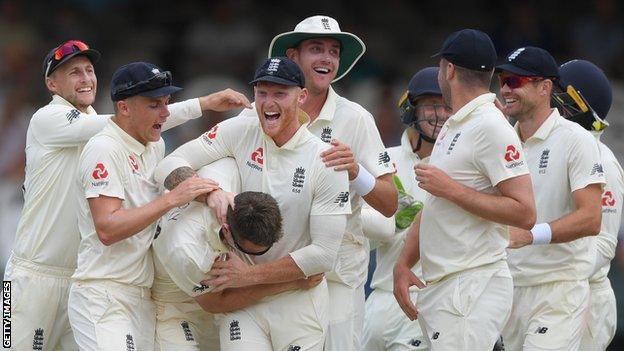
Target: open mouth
321,70
85,90
272,116
157,126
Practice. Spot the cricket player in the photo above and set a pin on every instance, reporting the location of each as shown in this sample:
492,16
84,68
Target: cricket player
275,154
109,306
424,111
47,238
325,55
189,242
586,100
477,182
552,261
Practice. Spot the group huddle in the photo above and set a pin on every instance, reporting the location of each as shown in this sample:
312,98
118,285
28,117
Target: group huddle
256,235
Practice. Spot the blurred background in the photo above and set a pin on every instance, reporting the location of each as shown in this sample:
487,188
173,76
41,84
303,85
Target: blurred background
211,45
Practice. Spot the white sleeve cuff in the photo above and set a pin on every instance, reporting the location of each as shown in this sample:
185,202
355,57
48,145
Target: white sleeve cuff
363,183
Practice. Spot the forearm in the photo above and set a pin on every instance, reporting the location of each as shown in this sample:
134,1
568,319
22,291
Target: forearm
280,271
410,254
384,196
181,112
124,223
238,298
575,225
376,226
496,208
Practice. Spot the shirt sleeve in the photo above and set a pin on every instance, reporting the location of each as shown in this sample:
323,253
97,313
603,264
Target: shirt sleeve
63,126
183,249
181,112
369,149
100,173
331,192
498,153
584,164
213,145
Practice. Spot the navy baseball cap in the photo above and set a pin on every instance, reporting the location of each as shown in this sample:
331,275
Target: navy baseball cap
65,52
469,48
591,82
279,70
530,61
141,78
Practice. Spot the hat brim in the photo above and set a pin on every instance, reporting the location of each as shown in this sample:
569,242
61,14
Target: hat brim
274,79
352,47
92,55
515,70
163,91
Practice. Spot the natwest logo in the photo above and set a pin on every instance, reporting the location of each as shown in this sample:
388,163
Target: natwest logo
99,172
134,163
213,132
258,156
607,199
511,154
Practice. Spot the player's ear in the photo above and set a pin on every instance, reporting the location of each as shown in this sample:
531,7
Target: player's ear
121,108
291,52
303,96
50,84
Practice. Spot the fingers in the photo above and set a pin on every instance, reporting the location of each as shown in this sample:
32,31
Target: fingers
403,298
338,154
347,160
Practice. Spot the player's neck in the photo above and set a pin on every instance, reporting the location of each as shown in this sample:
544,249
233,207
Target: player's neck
533,120
315,102
461,97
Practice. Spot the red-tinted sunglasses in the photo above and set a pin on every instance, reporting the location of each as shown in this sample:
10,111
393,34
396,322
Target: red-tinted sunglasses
68,48
515,82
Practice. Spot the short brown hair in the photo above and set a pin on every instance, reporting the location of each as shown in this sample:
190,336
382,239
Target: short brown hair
256,217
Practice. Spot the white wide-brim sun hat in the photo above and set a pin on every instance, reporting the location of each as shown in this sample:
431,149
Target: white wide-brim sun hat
352,47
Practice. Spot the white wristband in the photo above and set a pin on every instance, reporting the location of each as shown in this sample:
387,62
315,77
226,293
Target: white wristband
542,234
363,183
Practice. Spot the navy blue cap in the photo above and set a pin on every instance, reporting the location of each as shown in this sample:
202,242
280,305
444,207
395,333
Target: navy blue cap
424,82
530,61
279,70
469,48
67,51
141,78
591,82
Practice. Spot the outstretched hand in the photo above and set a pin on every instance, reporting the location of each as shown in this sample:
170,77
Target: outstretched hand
224,100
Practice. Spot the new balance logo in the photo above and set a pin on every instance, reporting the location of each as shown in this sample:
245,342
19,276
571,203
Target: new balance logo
515,54
596,169
200,288
72,116
38,339
130,343
415,342
326,134
453,142
541,330
384,158
543,163
298,179
188,334
294,348
342,198
235,331
435,336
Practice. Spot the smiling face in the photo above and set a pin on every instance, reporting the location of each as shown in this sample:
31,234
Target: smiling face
142,117
74,81
278,108
431,114
522,102
319,59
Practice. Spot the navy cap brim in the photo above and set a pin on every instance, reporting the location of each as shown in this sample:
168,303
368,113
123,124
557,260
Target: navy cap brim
515,70
168,90
276,80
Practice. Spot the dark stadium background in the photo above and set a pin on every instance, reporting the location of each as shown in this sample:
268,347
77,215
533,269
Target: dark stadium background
210,45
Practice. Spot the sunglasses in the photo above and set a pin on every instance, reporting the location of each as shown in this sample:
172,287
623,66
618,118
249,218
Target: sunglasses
65,49
159,80
515,82
238,246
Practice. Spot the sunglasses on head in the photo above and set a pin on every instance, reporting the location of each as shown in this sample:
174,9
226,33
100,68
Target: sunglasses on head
159,80
515,82
65,49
